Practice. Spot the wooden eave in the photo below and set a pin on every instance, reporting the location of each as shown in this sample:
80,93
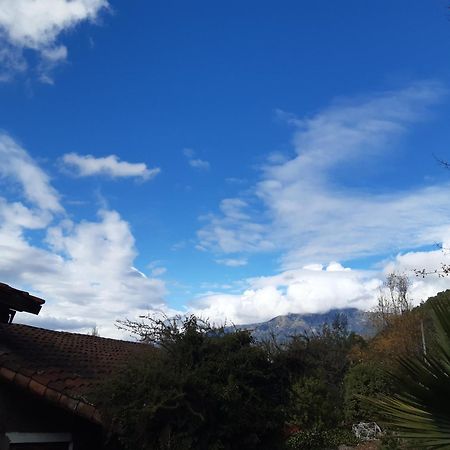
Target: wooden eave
19,300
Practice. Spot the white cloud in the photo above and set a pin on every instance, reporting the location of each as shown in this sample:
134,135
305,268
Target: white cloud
17,166
85,270
199,164
235,230
11,62
16,215
37,25
88,165
410,262
85,273
310,217
232,262
55,54
305,290
196,163
158,271
317,289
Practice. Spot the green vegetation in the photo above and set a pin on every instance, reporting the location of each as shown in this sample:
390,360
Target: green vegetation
320,439
364,380
419,408
202,389
208,388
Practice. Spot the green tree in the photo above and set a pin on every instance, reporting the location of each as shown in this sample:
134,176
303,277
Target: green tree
367,379
317,363
313,404
202,389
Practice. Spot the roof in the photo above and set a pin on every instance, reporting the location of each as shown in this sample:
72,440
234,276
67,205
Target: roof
62,367
19,300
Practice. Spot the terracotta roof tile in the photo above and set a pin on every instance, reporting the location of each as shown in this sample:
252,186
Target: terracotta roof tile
62,367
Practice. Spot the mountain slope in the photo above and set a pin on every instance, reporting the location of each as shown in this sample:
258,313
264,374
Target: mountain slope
282,327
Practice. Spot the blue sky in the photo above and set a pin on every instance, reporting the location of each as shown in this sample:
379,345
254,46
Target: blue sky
239,160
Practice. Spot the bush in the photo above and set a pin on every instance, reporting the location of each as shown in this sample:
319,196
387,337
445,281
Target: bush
365,380
203,389
391,442
317,439
317,362
314,404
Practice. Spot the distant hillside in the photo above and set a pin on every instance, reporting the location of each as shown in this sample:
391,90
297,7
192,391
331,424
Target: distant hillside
291,324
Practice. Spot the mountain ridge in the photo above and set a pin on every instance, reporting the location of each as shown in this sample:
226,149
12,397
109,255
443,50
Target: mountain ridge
284,326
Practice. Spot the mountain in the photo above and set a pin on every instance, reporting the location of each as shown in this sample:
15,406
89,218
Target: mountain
282,327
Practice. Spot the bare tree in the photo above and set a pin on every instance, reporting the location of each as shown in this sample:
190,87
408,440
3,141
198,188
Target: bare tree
94,331
393,300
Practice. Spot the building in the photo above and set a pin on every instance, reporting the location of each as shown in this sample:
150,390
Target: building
48,378
13,300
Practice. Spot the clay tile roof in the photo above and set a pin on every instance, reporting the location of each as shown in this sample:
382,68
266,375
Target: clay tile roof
62,367
19,300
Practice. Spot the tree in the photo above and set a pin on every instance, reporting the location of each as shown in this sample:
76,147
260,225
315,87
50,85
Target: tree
317,363
399,326
393,300
314,404
367,379
203,389
419,407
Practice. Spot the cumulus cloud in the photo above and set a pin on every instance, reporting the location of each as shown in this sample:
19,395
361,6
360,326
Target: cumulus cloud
309,216
316,289
85,270
429,261
37,25
305,290
88,165
300,210
194,162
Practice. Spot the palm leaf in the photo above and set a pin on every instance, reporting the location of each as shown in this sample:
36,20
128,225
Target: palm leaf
420,411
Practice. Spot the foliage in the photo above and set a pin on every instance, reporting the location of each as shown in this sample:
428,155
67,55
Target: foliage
313,404
317,363
419,409
367,379
392,442
321,353
317,439
402,338
398,324
202,389
209,388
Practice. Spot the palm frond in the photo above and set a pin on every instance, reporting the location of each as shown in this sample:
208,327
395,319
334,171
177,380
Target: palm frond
420,410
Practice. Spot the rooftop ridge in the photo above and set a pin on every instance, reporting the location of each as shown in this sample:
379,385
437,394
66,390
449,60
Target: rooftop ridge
47,330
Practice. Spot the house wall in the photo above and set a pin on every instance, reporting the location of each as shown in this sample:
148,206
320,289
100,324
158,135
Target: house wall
21,411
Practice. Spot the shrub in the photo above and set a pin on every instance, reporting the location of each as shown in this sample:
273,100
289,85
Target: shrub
203,389
314,404
366,379
317,439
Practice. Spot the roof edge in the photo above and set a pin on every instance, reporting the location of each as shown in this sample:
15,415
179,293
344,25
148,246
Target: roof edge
76,406
18,300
